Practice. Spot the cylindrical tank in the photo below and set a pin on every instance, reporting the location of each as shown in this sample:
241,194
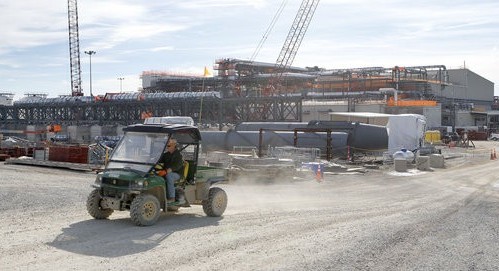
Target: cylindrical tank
256,126
220,140
368,137
359,136
404,154
362,137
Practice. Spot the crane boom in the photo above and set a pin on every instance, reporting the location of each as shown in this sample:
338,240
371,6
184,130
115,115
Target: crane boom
292,43
269,29
74,49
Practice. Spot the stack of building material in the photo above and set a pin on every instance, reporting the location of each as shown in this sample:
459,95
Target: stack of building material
4,157
16,151
72,154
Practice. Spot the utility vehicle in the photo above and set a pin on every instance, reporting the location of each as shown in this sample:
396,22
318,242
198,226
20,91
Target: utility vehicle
131,179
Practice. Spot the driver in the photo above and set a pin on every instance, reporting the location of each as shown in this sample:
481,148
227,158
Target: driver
173,164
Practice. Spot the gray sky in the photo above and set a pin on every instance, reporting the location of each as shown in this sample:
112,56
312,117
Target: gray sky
185,36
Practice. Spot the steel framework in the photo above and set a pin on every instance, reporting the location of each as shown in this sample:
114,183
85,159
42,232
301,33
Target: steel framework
215,111
74,48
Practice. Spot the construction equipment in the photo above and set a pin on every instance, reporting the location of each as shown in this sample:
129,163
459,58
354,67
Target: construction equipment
74,49
269,29
132,180
291,45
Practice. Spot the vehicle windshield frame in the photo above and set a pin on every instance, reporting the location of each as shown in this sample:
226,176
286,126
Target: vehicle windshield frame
138,148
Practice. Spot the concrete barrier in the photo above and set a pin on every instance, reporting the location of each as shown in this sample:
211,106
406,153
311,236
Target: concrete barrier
437,161
400,164
423,163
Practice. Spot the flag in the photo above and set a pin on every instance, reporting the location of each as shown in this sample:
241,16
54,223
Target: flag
207,73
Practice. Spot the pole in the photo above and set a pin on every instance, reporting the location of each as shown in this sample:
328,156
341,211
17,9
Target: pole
121,83
201,104
453,110
90,53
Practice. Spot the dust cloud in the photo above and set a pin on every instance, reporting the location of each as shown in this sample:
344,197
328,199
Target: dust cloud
250,192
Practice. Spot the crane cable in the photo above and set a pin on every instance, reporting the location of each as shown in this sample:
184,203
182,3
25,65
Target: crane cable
269,29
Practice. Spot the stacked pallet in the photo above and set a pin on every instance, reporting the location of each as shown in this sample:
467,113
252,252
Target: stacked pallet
71,154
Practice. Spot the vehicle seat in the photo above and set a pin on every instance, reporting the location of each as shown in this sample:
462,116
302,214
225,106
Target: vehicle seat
189,170
186,170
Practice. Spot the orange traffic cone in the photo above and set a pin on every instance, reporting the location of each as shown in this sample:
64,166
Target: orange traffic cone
318,174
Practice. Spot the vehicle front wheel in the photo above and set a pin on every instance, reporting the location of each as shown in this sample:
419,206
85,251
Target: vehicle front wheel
94,208
145,210
216,203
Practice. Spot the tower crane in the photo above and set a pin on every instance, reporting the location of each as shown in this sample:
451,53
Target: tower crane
291,45
74,49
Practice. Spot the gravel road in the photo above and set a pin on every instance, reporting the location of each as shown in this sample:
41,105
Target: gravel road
447,219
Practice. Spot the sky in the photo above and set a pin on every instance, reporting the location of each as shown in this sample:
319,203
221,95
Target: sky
132,36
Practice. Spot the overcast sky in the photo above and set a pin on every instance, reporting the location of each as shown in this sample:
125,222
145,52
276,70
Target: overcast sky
185,36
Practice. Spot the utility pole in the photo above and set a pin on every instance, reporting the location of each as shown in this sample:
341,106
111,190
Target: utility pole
90,53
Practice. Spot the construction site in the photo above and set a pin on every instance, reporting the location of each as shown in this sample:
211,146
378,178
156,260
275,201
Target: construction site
318,101
324,101
278,167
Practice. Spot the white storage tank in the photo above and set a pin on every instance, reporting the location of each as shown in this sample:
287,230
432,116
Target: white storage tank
404,154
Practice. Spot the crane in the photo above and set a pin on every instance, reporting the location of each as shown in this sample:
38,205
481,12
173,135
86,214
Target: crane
291,44
74,49
269,29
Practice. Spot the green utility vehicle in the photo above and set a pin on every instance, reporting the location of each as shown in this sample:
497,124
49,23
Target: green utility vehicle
131,181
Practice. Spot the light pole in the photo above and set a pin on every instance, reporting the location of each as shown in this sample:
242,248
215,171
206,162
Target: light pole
453,110
90,53
121,83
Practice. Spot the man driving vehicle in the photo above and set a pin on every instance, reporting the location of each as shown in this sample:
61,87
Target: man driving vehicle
173,165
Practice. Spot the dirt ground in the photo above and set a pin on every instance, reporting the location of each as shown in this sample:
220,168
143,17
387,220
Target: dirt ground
444,219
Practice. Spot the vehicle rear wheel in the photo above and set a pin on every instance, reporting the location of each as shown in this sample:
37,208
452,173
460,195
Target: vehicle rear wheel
94,208
216,203
145,210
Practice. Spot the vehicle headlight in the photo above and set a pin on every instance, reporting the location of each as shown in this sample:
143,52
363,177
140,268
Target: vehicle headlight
140,183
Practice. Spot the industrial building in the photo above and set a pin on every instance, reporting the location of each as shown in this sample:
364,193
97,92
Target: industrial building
447,97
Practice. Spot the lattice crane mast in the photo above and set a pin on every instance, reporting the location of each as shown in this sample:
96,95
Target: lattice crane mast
291,44
74,49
